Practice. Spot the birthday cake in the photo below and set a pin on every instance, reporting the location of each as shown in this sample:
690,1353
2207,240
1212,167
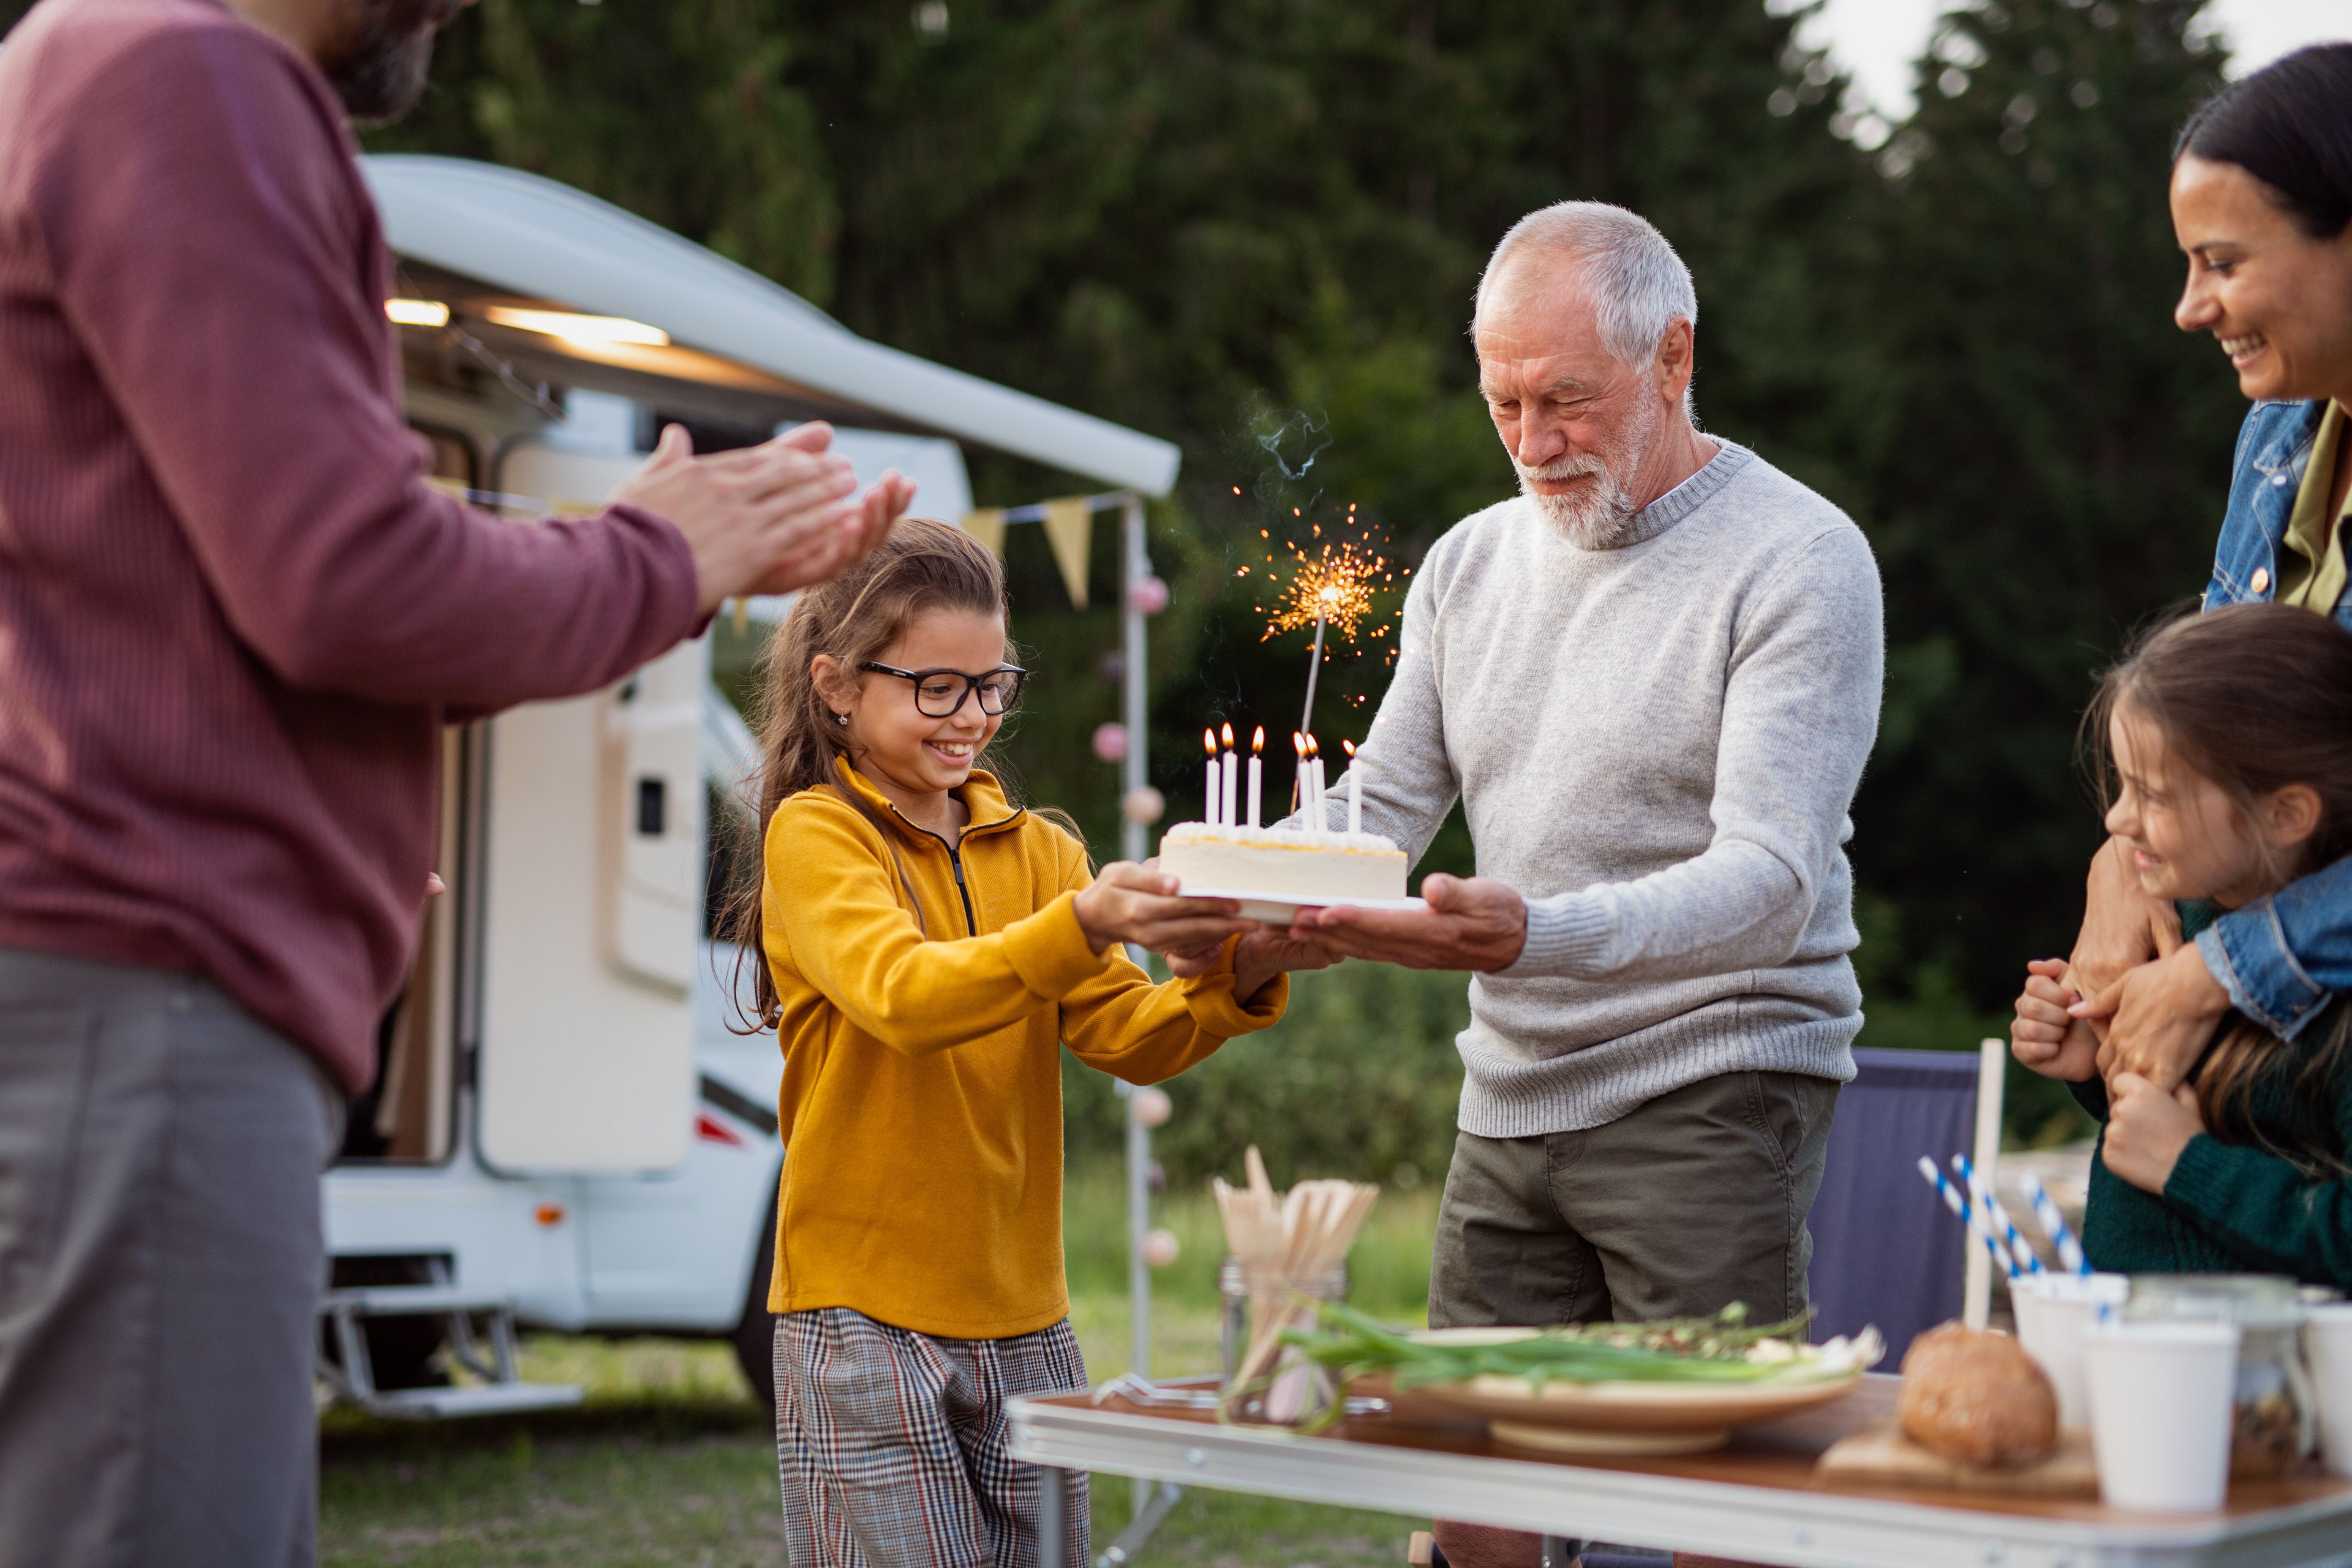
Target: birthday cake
1308,866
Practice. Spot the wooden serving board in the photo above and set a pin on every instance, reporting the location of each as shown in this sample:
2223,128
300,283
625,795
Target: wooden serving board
1881,1455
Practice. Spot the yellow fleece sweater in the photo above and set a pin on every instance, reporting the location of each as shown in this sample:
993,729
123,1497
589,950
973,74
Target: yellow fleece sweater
921,1106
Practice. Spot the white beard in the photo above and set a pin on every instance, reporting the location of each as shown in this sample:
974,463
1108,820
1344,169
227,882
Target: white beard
1594,516
1599,515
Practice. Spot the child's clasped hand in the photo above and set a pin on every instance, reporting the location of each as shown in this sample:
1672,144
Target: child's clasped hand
2045,1035
2147,1128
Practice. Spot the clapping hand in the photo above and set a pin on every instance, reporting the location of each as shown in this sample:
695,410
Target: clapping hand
767,519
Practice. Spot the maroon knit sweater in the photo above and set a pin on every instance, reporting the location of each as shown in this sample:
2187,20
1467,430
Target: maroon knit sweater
232,617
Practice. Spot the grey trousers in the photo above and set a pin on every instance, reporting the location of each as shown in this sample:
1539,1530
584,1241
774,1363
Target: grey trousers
161,1259
1681,1206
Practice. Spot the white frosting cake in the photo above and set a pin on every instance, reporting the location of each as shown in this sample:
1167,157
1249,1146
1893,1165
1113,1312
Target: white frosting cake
1342,868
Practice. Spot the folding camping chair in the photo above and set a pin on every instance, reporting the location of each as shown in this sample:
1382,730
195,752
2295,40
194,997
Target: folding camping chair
1884,1251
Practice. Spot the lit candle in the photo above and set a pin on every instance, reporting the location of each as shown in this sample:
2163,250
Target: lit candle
1355,788
1315,786
1231,766
1299,775
1209,794
1257,744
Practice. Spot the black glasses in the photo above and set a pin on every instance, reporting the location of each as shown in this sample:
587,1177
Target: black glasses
940,693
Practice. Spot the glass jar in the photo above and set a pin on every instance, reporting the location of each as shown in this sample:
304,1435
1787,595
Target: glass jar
2275,1423
1262,1382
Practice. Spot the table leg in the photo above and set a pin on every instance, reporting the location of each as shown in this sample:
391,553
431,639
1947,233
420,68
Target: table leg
1053,1517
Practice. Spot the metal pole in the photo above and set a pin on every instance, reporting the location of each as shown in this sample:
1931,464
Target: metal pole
1138,1220
1135,567
1053,1517
1134,845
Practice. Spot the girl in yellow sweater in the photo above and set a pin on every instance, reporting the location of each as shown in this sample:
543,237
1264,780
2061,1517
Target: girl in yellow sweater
930,946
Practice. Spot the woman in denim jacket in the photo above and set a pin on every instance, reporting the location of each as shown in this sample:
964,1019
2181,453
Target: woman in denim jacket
2261,203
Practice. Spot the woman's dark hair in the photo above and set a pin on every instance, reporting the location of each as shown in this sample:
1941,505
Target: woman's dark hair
2290,126
2253,698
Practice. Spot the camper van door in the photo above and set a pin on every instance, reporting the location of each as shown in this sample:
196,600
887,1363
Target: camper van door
593,899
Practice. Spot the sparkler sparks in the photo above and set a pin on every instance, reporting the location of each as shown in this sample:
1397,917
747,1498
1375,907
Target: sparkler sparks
1334,586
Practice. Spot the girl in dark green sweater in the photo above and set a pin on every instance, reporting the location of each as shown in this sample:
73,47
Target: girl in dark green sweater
2225,744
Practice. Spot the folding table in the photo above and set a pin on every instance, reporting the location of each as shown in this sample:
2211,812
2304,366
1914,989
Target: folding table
1755,1501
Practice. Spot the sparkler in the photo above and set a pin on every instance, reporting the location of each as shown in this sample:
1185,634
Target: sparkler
1332,588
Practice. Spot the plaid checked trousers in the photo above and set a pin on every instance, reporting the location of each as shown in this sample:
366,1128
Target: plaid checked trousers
891,1444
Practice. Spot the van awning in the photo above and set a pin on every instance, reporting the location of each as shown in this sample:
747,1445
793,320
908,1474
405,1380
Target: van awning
517,230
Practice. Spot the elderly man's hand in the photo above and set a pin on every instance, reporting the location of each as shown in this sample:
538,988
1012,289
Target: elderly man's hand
1472,922
2157,1019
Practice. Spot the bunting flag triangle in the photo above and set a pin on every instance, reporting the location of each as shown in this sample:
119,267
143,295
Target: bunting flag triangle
1070,530
987,525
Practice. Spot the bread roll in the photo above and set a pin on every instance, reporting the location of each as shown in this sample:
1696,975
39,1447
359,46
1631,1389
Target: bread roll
1976,1397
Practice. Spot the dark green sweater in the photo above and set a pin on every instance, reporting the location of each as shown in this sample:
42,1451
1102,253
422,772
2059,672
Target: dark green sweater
2226,1209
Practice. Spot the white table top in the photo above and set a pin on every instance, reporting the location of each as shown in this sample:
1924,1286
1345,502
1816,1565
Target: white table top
1755,1501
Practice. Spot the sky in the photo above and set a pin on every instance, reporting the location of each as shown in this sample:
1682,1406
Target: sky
1878,40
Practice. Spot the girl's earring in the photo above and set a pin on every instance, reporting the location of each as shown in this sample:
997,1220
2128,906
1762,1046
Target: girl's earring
841,718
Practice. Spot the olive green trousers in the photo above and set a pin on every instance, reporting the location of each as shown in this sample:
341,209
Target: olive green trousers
1691,1201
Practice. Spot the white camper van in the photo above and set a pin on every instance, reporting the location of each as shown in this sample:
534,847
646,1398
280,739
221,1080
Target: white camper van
566,1132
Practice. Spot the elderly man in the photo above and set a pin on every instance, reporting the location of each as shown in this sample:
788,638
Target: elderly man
233,621
1653,680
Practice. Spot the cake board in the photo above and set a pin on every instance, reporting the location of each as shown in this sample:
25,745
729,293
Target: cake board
1276,909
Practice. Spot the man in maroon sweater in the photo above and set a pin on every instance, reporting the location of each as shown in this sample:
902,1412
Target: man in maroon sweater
233,621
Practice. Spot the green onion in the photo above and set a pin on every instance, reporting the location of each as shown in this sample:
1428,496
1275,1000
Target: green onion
1681,1350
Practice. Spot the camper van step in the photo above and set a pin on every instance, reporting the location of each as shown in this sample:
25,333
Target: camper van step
414,1301
476,1399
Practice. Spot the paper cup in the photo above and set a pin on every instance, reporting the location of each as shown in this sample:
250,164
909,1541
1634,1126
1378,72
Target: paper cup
2327,1346
2162,1398
2052,1310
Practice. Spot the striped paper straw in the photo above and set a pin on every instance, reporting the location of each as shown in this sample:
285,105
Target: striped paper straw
2062,1236
1996,1218
1958,1204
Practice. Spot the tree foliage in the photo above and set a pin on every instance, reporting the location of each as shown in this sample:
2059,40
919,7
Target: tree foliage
2053,465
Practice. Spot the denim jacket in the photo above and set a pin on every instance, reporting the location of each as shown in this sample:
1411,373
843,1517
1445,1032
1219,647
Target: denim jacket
2281,957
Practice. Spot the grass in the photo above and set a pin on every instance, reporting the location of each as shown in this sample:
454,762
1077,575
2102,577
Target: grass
670,1464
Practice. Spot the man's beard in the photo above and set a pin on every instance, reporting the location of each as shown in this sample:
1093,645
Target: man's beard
1598,514
378,69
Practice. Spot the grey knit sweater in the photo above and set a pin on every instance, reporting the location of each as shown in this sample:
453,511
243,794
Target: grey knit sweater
1656,745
